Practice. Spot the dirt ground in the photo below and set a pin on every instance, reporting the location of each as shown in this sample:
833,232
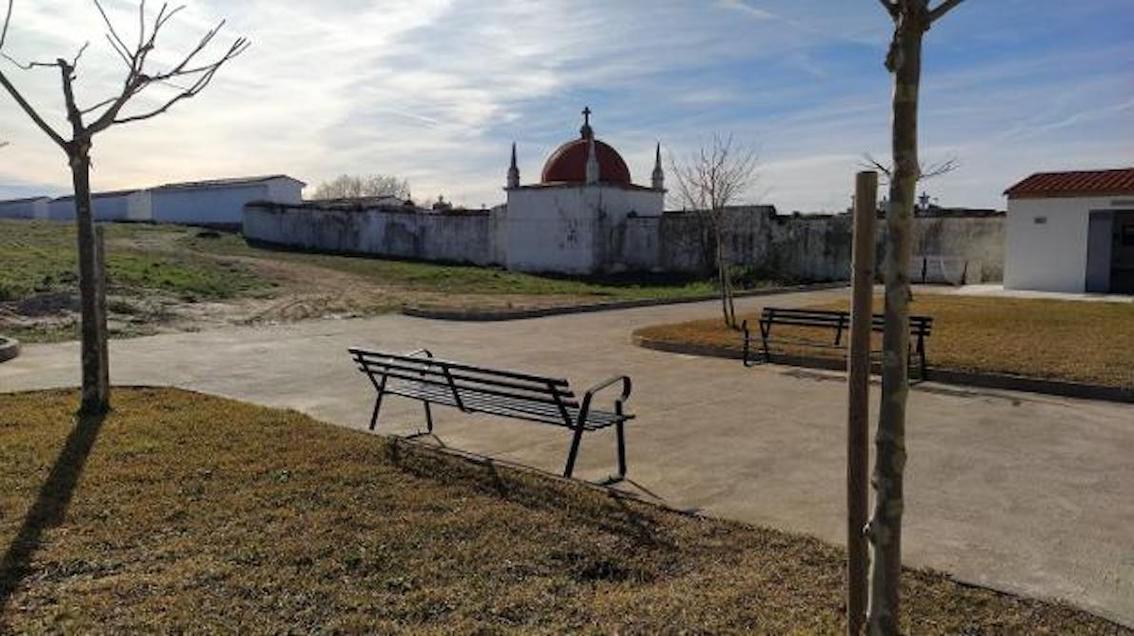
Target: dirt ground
287,290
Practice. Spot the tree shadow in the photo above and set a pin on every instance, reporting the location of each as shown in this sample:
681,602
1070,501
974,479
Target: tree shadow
50,507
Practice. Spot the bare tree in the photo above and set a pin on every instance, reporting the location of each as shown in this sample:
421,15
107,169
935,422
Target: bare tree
912,18
188,77
355,187
710,180
925,171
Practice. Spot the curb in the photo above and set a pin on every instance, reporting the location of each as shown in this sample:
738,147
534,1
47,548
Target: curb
9,348
442,313
1003,381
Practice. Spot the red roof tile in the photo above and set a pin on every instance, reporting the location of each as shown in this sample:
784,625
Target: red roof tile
1072,184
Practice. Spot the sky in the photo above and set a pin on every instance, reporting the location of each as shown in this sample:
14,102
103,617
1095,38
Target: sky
435,91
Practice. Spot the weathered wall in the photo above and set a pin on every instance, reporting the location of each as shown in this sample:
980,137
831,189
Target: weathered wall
794,247
568,228
800,247
466,237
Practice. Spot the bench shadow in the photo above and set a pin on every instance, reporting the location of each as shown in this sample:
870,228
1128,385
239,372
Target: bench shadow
50,506
617,514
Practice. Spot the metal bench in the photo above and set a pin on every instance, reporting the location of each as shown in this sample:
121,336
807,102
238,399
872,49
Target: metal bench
420,376
838,321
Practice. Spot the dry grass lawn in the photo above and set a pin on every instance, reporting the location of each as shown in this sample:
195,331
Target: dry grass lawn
182,512
1055,339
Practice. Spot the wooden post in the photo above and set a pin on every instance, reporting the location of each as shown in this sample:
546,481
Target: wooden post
858,411
102,384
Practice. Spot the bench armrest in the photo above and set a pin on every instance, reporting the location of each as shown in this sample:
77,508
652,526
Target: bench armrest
427,352
585,408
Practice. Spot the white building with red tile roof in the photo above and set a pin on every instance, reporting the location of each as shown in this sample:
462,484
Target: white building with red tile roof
1071,232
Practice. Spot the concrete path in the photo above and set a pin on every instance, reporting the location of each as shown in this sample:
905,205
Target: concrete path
1022,492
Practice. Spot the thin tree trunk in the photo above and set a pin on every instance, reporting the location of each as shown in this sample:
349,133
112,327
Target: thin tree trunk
890,443
95,367
722,276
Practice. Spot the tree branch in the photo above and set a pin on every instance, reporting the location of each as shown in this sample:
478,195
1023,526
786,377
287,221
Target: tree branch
891,8
7,19
942,9
138,80
43,125
933,170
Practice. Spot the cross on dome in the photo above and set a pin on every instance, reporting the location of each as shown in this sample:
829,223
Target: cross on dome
586,131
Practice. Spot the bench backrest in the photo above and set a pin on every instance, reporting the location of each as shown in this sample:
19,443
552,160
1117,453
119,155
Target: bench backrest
919,325
468,381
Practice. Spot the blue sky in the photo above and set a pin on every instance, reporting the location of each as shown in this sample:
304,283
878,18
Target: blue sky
436,90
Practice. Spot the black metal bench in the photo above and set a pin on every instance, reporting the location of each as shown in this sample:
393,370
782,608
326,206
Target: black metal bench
839,321
420,376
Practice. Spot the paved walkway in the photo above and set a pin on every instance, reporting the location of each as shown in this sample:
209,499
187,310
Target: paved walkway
1021,492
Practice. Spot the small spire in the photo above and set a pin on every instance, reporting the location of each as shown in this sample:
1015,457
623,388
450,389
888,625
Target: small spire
592,162
658,177
586,130
513,170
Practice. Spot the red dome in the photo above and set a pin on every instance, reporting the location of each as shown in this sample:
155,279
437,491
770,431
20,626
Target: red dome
568,164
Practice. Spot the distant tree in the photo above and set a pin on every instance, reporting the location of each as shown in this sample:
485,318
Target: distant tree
354,187
186,75
708,181
912,19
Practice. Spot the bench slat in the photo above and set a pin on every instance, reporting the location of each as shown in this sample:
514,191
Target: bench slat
562,382
437,372
464,389
524,410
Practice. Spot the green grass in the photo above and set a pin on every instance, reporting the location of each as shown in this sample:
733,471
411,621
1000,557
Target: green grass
468,279
183,512
1055,339
39,257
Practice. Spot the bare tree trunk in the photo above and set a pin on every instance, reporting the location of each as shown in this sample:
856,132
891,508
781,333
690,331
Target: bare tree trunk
885,534
727,308
726,268
92,297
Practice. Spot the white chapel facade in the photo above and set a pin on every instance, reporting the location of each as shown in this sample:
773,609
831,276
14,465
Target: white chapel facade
563,222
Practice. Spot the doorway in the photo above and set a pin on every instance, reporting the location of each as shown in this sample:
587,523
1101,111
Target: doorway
1100,244
1122,253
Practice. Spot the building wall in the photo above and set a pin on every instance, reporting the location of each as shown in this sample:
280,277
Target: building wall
128,206
460,237
565,228
1052,255
801,248
205,206
285,191
61,209
24,209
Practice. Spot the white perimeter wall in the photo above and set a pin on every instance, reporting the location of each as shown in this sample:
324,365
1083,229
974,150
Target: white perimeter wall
457,238
1051,256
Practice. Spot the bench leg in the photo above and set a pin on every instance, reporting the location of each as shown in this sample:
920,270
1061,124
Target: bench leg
380,387
574,452
765,333
428,418
621,433
374,415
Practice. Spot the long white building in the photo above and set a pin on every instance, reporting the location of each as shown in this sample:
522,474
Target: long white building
218,202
